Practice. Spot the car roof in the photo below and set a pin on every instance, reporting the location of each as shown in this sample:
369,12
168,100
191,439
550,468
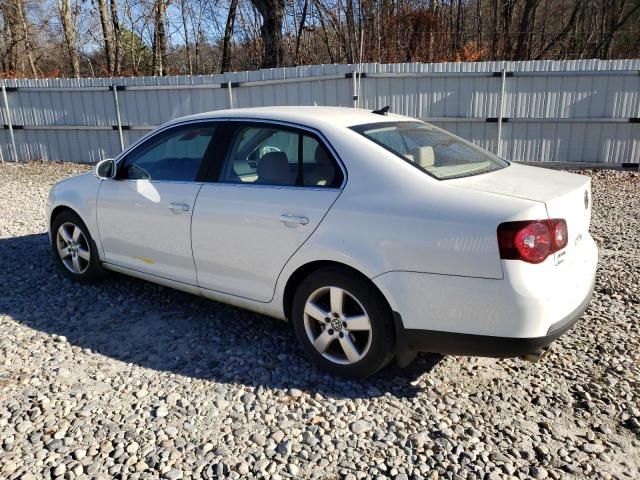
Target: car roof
311,116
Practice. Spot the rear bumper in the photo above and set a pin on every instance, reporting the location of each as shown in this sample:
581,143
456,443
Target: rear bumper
453,343
528,309
529,302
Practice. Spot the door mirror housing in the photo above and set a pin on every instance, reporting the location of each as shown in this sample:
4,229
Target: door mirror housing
106,169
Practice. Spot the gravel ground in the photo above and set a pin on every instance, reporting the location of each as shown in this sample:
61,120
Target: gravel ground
129,379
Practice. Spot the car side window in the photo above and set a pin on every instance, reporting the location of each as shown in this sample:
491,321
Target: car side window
262,155
319,169
269,155
172,156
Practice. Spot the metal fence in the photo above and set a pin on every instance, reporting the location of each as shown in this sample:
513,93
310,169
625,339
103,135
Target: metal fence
568,111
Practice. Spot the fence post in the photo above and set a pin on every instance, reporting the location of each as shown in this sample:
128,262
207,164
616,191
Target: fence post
354,97
500,114
116,103
9,123
230,94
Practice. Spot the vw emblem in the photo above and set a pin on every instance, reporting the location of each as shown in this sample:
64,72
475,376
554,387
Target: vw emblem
336,323
586,199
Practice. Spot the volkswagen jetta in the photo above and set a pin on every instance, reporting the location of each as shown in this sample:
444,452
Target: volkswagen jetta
376,235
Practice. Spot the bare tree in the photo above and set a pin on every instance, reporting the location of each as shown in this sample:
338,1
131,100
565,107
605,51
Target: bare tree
225,65
142,37
618,16
184,13
159,49
69,33
16,38
10,37
272,12
117,38
526,23
577,9
107,35
303,19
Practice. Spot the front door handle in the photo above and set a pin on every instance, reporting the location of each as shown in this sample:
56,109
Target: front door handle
178,207
293,219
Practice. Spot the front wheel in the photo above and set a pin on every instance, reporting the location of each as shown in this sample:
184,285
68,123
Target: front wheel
73,249
343,323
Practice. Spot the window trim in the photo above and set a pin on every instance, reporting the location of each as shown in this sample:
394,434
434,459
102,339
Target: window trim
360,129
234,124
207,159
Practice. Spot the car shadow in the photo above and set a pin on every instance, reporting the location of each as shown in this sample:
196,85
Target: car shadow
166,330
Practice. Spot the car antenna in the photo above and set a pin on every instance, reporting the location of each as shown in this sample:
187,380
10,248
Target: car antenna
382,111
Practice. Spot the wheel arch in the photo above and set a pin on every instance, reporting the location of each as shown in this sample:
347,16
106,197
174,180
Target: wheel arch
57,211
307,269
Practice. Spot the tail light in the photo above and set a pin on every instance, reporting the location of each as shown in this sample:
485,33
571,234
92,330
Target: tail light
532,240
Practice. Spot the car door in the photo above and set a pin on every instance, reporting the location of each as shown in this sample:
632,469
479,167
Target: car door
144,214
275,185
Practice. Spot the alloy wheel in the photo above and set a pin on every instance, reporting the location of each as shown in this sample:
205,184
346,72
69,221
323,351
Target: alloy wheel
337,325
73,248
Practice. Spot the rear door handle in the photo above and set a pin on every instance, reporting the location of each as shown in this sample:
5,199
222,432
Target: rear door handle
178,207
293,219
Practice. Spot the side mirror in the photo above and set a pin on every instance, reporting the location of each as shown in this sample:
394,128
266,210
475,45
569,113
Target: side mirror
106,169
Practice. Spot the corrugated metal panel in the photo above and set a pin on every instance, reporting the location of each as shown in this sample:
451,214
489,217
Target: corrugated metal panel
554,110
29,107
85,146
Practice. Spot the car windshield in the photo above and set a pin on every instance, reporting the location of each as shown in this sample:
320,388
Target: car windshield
432,150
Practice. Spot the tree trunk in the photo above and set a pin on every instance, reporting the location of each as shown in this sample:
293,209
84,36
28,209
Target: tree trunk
351,33
159,39
16,45
494,29
325,32
566,29
479,25
522,44
228,35
117,39
272,12
187,48
10,37
107,37
458,44
303,19
617,21
69,31
507,16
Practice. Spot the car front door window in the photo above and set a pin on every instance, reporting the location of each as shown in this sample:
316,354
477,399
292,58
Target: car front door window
171,156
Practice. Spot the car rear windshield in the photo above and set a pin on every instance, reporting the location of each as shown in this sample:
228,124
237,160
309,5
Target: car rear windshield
431,149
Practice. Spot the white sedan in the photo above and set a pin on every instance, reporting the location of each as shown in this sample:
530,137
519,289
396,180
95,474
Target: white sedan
375,235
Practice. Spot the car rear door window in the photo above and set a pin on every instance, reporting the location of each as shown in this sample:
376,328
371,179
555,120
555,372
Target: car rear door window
175,155
262,155
272,155
319,167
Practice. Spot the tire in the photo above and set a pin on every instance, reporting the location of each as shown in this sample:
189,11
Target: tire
74,251
327,329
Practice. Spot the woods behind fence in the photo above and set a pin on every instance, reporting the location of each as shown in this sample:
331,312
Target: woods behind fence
59,38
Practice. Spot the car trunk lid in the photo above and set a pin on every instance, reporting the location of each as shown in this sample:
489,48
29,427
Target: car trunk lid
565,195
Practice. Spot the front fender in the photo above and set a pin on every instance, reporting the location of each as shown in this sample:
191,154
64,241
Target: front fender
79,194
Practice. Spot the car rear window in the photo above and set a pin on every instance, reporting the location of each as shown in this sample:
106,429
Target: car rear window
431,149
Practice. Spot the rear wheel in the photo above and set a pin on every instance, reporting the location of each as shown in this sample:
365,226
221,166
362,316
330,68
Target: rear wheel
343,323
73,249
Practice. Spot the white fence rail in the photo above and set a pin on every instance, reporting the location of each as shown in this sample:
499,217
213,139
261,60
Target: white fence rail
568,111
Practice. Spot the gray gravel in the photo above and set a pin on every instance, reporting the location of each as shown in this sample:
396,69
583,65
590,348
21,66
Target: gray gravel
129,379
